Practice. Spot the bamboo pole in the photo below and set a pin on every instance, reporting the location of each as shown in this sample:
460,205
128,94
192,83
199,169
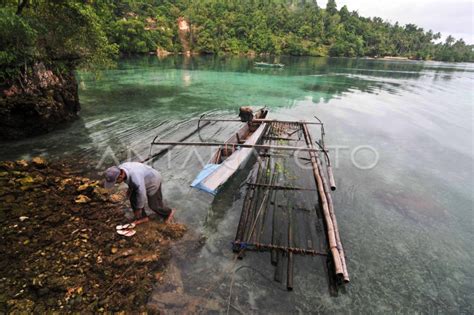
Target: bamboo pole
258,120
273,175
290,265
336,231
260,220
345,273
324,203
278,187
274,253
165,150
286,249
236,145
253,200
279,266
246,208
330,203
222,120
332,182
253,235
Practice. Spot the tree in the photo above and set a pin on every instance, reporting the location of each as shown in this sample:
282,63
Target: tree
60,34
331,7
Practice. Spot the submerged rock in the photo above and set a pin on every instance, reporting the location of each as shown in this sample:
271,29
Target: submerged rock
26,181
7,166
22,164
82,199
39,162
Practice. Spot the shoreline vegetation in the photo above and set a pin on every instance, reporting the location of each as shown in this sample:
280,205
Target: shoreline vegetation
60,251
298,28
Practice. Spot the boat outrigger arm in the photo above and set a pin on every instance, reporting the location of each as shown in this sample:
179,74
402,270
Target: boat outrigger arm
237,146
265,121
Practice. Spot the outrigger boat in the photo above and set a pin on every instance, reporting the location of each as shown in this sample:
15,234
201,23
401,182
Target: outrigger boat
268,65
228,158
278,203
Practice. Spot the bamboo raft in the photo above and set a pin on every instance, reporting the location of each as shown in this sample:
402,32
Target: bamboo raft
273,218
285,212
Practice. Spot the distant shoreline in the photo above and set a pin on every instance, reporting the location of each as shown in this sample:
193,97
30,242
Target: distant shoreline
255,55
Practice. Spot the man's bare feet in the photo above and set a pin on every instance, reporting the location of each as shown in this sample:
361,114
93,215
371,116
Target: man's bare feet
142,220
170,217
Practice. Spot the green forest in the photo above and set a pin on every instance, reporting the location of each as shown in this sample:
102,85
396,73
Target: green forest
85,33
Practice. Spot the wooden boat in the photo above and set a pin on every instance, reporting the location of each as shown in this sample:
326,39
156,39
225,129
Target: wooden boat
227,159
269,65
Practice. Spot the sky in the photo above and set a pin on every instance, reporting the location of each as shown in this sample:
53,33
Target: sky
449,17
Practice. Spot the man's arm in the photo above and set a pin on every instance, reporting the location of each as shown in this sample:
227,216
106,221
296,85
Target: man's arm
137,197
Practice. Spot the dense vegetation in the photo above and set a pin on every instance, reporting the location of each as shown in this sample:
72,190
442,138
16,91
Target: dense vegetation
72,33
60,34
295,27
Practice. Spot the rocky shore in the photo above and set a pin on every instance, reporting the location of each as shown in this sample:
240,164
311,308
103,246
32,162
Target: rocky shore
60,250
37,103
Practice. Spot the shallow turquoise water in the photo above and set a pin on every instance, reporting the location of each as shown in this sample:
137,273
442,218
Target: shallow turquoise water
406,224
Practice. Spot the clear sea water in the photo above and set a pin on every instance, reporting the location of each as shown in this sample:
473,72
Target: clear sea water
406,223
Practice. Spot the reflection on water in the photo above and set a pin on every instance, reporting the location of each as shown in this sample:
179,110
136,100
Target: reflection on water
407,224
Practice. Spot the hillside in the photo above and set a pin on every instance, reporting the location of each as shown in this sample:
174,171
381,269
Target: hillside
271,26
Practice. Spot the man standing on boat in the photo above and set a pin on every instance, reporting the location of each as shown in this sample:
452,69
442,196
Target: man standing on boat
144,186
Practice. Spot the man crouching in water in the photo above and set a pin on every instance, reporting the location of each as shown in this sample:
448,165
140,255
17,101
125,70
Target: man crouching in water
144,186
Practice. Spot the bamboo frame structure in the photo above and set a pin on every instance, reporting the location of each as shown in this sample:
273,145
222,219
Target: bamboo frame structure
261,194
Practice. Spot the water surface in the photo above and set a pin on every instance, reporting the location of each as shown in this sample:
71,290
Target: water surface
406,224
